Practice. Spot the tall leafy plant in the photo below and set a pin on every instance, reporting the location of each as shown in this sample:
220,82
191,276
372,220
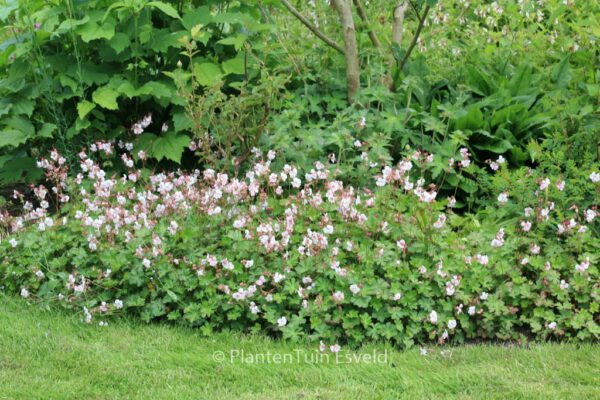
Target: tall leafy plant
74,72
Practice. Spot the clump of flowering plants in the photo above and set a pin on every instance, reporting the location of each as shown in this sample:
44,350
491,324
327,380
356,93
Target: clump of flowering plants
303,255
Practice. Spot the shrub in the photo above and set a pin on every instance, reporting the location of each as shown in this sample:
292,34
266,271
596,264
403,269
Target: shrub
74,72
306,256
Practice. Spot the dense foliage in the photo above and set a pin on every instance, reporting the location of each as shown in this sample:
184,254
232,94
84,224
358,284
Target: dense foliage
204,162
310,256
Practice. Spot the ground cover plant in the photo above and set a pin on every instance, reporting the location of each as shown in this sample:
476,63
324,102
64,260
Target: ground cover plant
307,256
302,170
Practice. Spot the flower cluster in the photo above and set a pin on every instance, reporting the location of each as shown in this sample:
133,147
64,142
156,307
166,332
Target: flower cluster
316,257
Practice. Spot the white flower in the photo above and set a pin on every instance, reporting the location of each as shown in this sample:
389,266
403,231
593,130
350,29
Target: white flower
552,325
563,284
595,177
433,317
39,274
471,310
589,216
338,296
118,304
503,197
423,351
397,296
452,324
354,289
282,321
484,296
13,242
440,221
24,293
583,266
335,348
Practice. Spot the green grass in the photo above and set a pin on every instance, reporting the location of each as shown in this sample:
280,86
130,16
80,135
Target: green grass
52,355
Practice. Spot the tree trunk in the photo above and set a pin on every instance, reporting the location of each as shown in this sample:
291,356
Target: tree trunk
344,8
398,25
397,30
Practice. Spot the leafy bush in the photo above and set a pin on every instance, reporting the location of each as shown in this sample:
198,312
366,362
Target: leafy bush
75,72
305,256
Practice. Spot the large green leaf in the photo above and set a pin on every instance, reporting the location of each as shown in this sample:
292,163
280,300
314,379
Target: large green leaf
155,89
473,120
166,8
561,73
234,66
84,107
119,42
23,106
18,167
21,124
207,74
93,30
163,39
12,137
47,130
199,16
106,97
170,146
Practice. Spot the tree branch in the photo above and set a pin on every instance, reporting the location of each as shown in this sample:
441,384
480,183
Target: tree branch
312,28
413,43
363,16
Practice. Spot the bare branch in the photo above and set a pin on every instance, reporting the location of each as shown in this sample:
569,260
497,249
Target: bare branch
413,43
414,7
363,16
312,27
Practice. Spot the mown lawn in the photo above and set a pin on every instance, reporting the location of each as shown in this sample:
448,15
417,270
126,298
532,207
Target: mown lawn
52,355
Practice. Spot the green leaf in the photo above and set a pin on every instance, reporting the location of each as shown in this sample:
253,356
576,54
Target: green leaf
47,130
207,74
21,124
236,41
181,122
18,167
561,73
166,8
234,66
155,89
170,146
12,137
92,30
24,107
119,42
106,97
84,107
163,39
200,15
